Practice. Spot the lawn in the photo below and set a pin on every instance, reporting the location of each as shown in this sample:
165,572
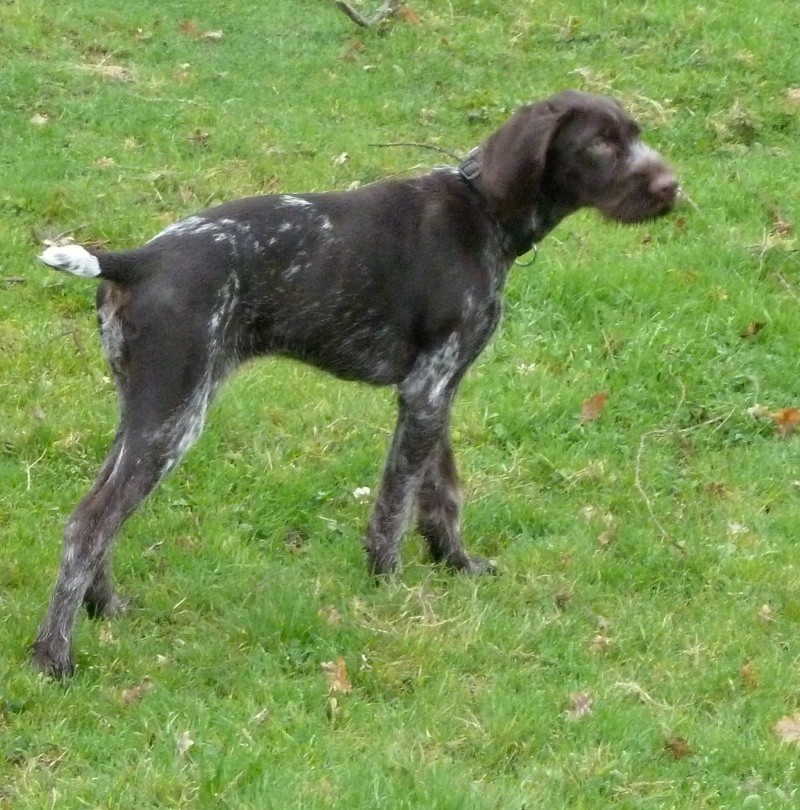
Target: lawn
640,645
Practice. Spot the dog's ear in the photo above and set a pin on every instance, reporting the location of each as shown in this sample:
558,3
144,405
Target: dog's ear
514,157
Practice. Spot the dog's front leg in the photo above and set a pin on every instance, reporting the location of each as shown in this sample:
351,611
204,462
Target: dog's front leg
439,507
424,401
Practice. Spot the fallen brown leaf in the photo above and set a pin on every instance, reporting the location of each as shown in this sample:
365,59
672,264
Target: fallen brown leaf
678,747
752,329
781,227
580,704
788,728
786,421
593,407
136,692
563,597
336,672
606,538
409,14
749,676
793,95
190,28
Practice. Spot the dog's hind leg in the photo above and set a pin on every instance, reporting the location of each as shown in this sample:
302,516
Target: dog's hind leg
163,415
439,507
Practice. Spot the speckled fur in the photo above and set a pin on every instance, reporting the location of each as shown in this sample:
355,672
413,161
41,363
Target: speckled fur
396,283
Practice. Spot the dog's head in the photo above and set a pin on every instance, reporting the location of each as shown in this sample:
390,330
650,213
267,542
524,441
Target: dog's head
597,158
578,150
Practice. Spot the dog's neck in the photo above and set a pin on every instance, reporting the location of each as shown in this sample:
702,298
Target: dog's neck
524,224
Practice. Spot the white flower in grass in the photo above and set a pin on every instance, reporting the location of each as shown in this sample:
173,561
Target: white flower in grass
361,494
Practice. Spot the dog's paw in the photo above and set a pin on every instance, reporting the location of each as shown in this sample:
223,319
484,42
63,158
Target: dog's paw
49,663
479,565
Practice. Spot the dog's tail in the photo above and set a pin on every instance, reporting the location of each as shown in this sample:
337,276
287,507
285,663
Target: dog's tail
79,261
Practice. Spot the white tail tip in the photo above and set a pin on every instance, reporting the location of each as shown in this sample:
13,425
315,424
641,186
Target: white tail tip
73,259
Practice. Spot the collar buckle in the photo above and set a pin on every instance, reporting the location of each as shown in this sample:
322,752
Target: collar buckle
470,167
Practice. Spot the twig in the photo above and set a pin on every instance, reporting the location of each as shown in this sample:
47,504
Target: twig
387,10
787,286
416,145
637,482
29,467
637,479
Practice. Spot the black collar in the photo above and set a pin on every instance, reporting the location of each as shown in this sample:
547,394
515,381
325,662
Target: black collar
470,167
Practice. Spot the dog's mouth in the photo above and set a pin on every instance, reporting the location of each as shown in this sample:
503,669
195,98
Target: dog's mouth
643,204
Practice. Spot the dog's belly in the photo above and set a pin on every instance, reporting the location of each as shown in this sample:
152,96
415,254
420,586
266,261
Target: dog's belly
349,345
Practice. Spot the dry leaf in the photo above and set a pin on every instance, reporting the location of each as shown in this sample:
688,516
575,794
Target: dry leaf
340,160
605,538
793,95
599,643
786,421
116,73
563,597
752,329
788,728
766,614
199,137
593,407
781,227
409,15
336,672
136,692
580,704
330,614
678,747
184,743
759,412
749,676
39,120
105,162
717,489
213,36
260,717
736,529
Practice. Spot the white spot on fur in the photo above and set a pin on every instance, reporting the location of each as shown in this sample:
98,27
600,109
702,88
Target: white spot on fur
432,374
290,200
185,226
642,155
72,259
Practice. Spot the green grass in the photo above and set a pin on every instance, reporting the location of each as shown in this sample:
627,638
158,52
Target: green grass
636,552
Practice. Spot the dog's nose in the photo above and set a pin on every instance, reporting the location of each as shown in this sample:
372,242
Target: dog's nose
665,187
